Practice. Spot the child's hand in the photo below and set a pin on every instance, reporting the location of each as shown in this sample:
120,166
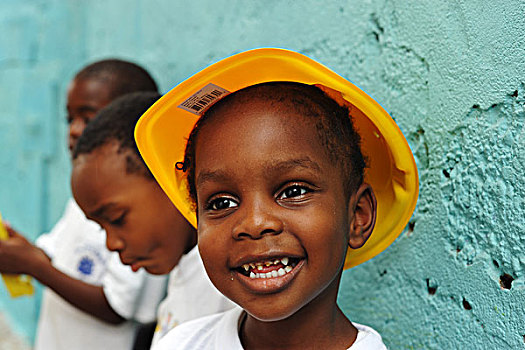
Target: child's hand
19,256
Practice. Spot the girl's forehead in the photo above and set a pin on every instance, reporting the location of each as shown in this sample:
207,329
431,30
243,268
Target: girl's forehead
263,114
259,135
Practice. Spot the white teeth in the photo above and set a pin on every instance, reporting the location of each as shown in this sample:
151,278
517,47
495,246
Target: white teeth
259,266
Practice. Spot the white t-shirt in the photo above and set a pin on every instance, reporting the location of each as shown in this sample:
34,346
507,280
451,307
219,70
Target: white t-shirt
220,331
190,295
77,247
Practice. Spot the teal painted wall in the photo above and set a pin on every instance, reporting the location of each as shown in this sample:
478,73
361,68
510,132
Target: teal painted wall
452,74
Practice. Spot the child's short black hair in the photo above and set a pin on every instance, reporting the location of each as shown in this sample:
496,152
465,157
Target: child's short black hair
333,123
124,77
116,123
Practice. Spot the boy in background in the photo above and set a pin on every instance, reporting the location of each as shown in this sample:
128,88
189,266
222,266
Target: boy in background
114,188
276,175
91,299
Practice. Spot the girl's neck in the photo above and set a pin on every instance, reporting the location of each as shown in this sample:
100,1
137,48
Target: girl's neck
314,326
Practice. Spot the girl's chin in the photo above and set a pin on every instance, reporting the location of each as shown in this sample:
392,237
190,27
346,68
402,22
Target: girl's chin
273,315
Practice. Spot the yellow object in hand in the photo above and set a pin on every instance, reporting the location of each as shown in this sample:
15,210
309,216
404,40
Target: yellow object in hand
17,285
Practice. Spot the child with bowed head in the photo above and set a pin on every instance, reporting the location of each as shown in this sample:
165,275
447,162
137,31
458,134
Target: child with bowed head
114,188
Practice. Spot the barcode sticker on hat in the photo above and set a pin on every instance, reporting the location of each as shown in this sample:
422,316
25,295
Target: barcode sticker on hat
203,98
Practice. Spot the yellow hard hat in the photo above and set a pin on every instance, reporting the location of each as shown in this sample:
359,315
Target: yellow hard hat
163,130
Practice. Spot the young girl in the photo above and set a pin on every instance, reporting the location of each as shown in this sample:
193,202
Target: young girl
276,174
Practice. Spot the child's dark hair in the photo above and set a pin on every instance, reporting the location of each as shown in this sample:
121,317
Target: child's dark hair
122,76
116,123
333,123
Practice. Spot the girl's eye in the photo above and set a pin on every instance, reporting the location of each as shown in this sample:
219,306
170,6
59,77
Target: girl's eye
221,204
293,191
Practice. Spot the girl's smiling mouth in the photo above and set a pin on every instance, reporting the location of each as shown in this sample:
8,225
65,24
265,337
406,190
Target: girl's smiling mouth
269,275
269,268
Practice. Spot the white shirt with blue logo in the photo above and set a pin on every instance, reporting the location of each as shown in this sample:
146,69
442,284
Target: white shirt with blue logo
77,247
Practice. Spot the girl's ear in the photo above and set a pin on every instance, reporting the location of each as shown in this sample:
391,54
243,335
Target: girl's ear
362,214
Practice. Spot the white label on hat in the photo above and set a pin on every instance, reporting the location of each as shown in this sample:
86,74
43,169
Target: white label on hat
203,98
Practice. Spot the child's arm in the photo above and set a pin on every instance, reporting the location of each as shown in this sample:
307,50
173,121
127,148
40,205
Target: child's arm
19,256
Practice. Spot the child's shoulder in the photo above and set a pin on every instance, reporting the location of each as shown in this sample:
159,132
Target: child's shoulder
367,338
210,332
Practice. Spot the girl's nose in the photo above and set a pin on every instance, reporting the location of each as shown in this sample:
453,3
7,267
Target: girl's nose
257,218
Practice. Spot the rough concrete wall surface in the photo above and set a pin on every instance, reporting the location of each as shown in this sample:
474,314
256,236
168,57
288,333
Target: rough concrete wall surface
451,73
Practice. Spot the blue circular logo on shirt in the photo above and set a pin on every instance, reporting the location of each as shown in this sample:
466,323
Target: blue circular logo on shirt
86,265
